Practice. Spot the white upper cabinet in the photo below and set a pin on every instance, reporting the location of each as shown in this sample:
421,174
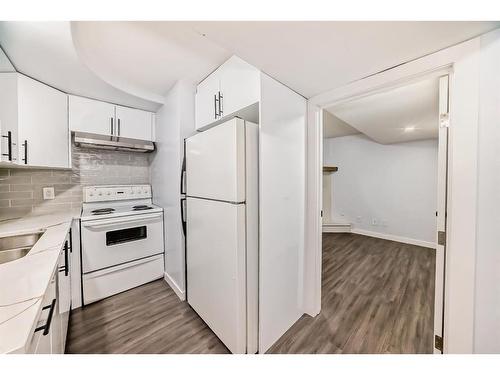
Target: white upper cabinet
134,123
94,116
37,117
240,85
91,116
207,100
235,85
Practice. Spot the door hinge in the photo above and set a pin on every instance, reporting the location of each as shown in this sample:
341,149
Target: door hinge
438,343
444,120
441,238
321,213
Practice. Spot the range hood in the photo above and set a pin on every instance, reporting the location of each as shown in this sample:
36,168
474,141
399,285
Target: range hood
109,142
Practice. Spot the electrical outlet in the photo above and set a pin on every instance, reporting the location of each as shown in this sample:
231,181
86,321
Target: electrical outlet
358,219
384,223
48,193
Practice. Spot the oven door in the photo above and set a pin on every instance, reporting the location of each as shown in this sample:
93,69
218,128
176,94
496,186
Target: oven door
110,242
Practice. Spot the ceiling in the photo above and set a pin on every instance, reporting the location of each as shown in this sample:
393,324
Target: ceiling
45,51
136,63
146,58
334,127
402,114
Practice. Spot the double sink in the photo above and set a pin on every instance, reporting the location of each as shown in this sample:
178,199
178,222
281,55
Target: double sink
16,247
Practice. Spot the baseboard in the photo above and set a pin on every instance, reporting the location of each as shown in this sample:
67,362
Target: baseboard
175,287
392,237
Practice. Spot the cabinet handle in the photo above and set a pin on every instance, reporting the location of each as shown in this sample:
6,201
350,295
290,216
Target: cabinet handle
111,125
119,128
215,107
221,108
9,145
46,326
66,259
25,144
70,241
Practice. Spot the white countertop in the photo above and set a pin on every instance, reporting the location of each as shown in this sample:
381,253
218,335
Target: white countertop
23,282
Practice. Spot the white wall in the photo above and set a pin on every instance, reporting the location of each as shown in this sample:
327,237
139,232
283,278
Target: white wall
487,299
174,122
394,184
5,64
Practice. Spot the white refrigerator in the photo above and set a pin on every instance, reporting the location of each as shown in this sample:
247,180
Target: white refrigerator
222,231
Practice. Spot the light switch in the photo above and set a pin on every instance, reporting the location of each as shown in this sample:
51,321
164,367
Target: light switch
48,193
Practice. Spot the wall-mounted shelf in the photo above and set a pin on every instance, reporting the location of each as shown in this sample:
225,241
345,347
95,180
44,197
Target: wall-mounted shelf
330,169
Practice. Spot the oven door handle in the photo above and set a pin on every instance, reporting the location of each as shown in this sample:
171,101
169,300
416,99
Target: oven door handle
110,222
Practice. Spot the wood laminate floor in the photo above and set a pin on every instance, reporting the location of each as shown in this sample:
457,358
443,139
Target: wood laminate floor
377,297
147,319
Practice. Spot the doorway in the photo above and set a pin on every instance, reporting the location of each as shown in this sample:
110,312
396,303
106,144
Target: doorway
384,201
426,252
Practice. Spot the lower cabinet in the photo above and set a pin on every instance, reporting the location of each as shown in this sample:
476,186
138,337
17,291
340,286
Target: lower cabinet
51,328
64,291
43,339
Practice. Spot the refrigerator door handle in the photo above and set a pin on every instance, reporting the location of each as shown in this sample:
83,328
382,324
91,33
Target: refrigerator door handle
183,185
183,217
183,171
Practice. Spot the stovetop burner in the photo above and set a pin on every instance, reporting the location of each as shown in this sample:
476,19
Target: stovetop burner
141,207
102,211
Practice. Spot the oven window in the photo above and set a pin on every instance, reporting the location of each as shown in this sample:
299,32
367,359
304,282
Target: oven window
126,235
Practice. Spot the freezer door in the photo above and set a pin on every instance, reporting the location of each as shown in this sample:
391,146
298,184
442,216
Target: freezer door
216,268
215,162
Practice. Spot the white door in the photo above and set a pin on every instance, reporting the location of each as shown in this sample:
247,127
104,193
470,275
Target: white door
207,101
240,85
441,213
216,268
43,125
91,116
215,162
134,123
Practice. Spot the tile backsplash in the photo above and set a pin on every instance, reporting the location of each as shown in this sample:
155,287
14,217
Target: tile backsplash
21,189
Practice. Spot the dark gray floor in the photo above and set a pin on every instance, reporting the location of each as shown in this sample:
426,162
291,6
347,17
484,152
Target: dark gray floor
377,297
147,319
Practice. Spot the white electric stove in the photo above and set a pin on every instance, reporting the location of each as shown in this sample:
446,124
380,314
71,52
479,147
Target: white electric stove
122,240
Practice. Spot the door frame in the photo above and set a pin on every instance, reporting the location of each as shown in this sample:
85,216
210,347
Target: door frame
461,62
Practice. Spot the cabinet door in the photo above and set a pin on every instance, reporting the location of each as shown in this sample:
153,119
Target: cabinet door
91,116
48,343
134,123
8,117
205,101
42,125
64,290
240,85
